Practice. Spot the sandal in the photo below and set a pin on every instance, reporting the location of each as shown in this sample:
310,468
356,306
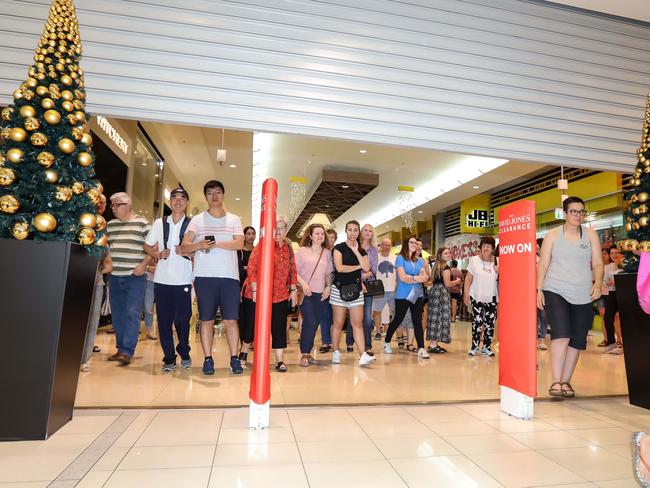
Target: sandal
312,361
411,348
324,349
569,392
436,350
555,392
638,460
281,367
304,361
401,341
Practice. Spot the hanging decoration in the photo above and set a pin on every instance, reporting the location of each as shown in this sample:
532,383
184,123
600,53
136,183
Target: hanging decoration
297,197
406,205
45,150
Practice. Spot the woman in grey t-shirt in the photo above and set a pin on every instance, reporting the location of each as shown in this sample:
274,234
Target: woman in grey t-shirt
569,279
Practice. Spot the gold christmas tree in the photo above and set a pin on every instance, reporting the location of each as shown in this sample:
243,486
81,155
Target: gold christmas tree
47,190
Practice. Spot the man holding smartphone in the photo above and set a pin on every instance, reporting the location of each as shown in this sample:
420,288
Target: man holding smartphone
215,236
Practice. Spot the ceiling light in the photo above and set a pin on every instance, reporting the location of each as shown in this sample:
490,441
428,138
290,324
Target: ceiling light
237,198
327,206
144,164
345,186
232,166
419,211
476,187
363,151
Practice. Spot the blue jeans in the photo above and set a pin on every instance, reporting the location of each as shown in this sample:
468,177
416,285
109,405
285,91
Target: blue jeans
148,305
93,320
127,299
312,311
326,323
368,324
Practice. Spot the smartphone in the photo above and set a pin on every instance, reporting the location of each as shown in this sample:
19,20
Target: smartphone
209,239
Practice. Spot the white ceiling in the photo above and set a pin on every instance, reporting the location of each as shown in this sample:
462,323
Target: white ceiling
631,9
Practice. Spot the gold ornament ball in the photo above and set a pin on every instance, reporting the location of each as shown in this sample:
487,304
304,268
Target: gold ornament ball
67,95
47,103
9,204
32,123
636,182
103,241
87,139
94,195
51,175
78,104
86,236
44,222
7,176
632,244
77,132
18,134
31,82
52,117
41,91
15,155
644,246
67,106
99,187
642,197
28,94
636,211
38,139
101,223
66,80
7,113
66,145
622,245
27,111
20,230
643,221
63,193
5,133
628,227
635,226
18,94
80,116
77,188
72,119
45,159
85,159
643,209
88,219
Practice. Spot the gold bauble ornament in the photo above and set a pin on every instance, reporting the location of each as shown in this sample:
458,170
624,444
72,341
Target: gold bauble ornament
18,94
94,195
20,230
7,113
47,103
38,139
44,222
635,226
4,133
632,244
67,106
51,175
636,211
628,227
643,197
32,123
103,241
81,117
67,95
77,132
15,155
63,193
45,159
41,91
18,134
66,80
28,94
644,246
66,145
85,159
40,76
101,223
9,204
88,219
79,94
87,139
643,221
59,67
77,188
78,104
99,187
52,117
86,236
71,119
636,182
7,176
31,82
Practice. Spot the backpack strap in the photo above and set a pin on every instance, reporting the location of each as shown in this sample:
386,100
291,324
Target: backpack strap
184,225
165,225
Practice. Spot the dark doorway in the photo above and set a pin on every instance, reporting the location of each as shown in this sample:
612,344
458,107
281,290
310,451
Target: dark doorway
110,170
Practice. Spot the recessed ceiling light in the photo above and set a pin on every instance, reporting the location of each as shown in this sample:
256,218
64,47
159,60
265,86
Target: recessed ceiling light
419,211
237,198
233,166
345,186
363,151
476,187
327,206
144,164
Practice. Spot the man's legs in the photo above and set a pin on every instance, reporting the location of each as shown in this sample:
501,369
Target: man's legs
117,297
182,297
165,310
135,299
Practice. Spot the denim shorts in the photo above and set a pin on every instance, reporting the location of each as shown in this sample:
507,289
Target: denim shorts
378,303
213,293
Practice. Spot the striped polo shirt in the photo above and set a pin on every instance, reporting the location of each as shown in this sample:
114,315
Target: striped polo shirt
126,243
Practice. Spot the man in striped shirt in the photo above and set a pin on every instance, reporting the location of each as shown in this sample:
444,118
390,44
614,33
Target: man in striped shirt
126,236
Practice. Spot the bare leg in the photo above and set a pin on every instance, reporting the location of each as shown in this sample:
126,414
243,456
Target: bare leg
279,354
570,363
232,334
245,347
617,328
207,333
558,356
356,319
338,316
454,309
376,318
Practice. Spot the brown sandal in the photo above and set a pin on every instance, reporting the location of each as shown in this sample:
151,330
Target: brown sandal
569,392
304,361
555,392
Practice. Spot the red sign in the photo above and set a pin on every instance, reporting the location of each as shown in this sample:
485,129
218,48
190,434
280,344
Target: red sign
517,298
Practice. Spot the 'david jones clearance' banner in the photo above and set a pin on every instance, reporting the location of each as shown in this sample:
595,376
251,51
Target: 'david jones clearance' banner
517,298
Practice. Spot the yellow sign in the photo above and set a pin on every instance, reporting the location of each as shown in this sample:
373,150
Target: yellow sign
476,216
405,188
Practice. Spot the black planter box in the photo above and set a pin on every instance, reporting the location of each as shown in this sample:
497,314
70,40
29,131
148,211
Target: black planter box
635,327
45,301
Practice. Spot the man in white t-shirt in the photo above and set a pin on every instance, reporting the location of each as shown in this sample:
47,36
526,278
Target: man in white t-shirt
217,235
386,273
172,281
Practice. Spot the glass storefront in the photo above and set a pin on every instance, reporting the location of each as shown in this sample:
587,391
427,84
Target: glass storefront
148,177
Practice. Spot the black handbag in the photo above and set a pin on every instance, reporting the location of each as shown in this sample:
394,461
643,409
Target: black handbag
349,293
374,287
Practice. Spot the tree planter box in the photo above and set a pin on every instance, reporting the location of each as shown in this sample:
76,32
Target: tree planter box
45,301
635,327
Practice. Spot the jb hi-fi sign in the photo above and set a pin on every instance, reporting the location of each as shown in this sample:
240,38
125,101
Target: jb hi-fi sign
479,219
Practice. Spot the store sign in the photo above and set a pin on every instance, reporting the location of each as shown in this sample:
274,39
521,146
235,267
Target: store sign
476,215
113,134
517,298
463,246
477,219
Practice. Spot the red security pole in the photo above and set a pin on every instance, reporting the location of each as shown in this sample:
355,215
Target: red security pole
260,392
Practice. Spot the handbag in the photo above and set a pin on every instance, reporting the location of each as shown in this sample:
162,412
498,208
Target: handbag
374,287
349,293
290,309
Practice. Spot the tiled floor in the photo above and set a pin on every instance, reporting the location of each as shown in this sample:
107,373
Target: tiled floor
399,378
579,443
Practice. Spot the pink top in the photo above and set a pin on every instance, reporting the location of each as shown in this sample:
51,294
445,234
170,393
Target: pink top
306,261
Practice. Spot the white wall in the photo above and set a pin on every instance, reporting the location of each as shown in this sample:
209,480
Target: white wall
502,78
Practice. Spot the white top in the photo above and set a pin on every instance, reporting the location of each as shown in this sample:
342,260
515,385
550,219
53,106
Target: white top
610,270
216,263
386,271
175,270
484,280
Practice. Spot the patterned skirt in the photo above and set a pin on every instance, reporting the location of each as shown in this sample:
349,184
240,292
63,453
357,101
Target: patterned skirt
439,320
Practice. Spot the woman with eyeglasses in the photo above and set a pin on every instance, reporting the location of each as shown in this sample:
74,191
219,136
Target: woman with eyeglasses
284,290
569,279
411,273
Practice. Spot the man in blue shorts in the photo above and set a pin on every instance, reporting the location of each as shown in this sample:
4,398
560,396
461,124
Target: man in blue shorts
215,236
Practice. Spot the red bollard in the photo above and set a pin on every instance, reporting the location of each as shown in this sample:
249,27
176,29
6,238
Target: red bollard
260,392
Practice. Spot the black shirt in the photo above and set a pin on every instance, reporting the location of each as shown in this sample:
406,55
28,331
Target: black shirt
349,259
242,257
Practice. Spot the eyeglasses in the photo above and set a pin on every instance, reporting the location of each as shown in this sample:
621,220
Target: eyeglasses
117,205
577,213
213,193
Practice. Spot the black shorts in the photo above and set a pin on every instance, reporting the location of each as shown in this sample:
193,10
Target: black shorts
455,296
568,321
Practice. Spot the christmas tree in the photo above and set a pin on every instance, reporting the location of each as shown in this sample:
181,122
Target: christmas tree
47,190
637,217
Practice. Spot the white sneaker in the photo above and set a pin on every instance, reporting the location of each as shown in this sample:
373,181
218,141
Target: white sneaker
487,352
387,348
423,354
473,351
366,359
609,348
336,357
615,350
85,367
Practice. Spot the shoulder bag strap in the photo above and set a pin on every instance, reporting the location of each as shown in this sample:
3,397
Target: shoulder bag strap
317,262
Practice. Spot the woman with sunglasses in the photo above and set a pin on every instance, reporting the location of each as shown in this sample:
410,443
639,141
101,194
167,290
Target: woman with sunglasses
569,279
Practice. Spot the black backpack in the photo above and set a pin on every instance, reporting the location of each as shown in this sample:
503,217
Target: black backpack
184,225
